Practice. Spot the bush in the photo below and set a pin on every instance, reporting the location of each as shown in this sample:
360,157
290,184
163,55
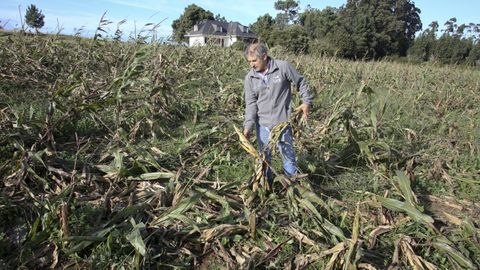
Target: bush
321,47
238,45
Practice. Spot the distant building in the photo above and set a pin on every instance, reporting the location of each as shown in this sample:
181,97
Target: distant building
221,33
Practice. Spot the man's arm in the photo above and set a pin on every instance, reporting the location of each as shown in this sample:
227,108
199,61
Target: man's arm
251,108
303,88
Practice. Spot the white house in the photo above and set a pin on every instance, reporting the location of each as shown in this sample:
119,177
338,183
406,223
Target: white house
221,33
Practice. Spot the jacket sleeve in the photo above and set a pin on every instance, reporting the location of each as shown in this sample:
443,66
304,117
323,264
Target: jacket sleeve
251,108
301,83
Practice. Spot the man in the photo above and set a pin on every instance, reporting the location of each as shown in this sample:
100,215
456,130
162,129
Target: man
268,103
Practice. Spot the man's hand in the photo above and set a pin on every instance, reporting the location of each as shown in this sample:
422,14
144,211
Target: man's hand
305,108
246,133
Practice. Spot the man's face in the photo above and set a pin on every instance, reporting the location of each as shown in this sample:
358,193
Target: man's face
259,64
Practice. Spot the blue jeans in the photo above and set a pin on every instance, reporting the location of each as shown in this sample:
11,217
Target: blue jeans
285,147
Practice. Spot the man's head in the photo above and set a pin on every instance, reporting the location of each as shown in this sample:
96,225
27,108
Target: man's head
257,56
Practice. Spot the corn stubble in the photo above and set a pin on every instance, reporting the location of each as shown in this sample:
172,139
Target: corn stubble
128,154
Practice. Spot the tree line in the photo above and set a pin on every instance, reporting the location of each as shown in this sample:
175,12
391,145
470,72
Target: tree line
360,29
455,44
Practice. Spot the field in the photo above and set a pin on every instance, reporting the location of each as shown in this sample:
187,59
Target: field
125,155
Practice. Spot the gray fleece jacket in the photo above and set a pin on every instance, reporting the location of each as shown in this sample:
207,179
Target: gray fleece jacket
269,101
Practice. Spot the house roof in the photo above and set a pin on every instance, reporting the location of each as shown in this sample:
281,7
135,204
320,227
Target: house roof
211,27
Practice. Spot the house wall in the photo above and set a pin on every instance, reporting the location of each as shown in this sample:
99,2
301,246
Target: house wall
230,40
200,41
196,41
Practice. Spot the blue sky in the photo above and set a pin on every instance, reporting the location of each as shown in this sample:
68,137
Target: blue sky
74,14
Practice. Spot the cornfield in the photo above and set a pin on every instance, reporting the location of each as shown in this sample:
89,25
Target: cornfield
126,155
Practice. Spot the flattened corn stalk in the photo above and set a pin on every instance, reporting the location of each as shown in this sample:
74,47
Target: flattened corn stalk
145,173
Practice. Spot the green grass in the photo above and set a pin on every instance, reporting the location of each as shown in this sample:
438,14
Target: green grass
85,123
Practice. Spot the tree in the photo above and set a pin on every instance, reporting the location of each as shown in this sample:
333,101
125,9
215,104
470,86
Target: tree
263,28
318,23
423,47
293,38
407,18
450,25
355,30
376,28
191,15
34,17
475,30
433,27
457,45
453,47
290,12
319,26
344,42
474,56
220,18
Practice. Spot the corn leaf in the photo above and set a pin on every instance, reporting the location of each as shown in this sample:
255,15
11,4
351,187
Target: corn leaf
180,208
135,237
457,256
410,210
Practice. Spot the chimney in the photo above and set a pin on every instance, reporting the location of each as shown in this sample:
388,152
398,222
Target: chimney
195,27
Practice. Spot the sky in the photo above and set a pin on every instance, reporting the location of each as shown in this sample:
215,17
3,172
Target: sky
69,16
